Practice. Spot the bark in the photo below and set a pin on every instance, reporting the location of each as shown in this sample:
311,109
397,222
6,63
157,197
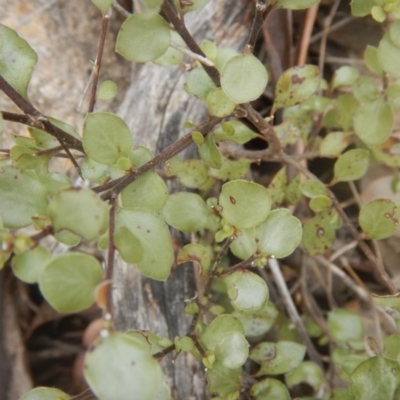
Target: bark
155,107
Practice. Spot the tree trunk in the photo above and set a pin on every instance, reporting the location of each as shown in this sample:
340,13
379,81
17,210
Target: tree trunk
155,107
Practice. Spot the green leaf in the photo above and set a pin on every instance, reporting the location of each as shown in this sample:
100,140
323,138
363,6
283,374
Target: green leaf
346,106
318,235
334,143
54,182
373,122
224,381
233,131
238,201
295,4
351,165
22,197
121,364
376,378
269,389
391,347
361,8
391,301
28,265
44,393
280,234
378,219
195,253
247,291
394,32
102,5
365,89
276,188
106,137
259,323
187,212
94,171
154,238
128,245
244,78
345,326
296,85
79,211
198,83
219,104
148,191
67,237
392,94
345,76
292,192
193,173
372,62
277,358
143,37
172,56
308,372
231,169
17,60
389,56
320,203
209,153
107,90
68,282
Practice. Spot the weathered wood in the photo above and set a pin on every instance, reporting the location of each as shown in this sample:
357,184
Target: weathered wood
155,107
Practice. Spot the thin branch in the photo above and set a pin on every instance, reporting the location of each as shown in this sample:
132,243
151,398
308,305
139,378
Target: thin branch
34,122
262,11
116,186
97,63
121,9
243,264
111,247
292,311
267,130
356,235
195,56
180,27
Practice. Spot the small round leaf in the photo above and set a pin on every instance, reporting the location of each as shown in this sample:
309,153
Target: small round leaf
121,365
345,326
244,204
351,165
79,211
143,37
378,219
29,265
68,282
244,78
45,393
106,137
246,290
107,90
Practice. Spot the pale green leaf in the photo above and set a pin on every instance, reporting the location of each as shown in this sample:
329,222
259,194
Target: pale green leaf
106,137
172,56
244,78
22,196
270,389
376,378
296,85
351,165
389,56
394,32
195,253
143,37
219,104
79,211
371,60
373,122
277,358
318,235
224,381
279,235
128,245
68,282
209,152
378,219
295,4
234,131
17,60
334,143
345,76
154,238
233,350
107,90
187,212
238,201
120,365
198,83
247,291
102,5
361,8
307,372
94,171
345,326
148,191
193,173
45,393
28,266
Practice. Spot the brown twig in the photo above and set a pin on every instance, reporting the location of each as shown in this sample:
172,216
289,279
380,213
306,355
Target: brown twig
97,63
115,187
243,264
308,25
